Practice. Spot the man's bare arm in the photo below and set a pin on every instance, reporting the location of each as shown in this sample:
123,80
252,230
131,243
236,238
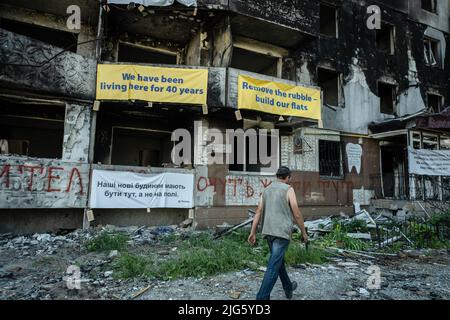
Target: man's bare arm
298,217
257,217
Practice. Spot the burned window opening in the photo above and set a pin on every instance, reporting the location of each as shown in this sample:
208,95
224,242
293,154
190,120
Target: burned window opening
58,38
393,167
140,54
431,52
330,159
434,102
251,144
30,130
328,21
387,94
330,83
429,5
254,62
385,38
140,147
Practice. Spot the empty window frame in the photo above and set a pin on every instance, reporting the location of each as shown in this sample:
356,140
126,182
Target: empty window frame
254,56
387,94
431,52
58,38
328,21
32,130
435,102
141,147
330,159
385,38
252,141
429,5
141,54
330,83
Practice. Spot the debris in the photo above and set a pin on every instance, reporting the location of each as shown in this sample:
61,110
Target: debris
108,274
351,293
140,292
363,236
5,274
389,241
231,229
162,230
424,210
319,225
348,264
113,254
263,269
365,216
234,294
186,223
364,292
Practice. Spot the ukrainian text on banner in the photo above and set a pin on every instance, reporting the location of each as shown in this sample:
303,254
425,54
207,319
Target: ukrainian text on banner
154,84
279,98
429,162
129,190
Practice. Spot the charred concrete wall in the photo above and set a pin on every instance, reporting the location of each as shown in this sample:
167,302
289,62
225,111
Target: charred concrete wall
37,66
42,183
355,56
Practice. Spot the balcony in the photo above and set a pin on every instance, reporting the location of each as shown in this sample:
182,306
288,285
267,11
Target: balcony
29,64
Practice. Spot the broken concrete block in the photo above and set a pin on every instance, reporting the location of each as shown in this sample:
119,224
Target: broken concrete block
186,223
108,274
113,254
364,292
234,294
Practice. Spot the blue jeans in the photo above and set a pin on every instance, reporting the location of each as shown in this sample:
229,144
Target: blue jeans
275,268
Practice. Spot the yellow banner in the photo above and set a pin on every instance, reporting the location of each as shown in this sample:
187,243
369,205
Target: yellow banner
279,98
154,84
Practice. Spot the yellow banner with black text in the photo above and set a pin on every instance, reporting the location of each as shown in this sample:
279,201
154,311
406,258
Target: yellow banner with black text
153,84
279,98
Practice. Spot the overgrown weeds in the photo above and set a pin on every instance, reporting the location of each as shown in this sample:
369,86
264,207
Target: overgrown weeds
200,255
107,241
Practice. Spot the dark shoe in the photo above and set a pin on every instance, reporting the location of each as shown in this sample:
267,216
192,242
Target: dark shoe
289,294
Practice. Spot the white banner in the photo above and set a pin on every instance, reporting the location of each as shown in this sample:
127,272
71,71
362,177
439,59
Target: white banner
129,190
429,162
156,2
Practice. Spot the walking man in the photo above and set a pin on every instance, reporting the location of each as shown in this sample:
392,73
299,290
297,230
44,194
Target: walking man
278,206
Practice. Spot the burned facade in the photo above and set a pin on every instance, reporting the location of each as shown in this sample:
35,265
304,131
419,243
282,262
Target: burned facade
383,90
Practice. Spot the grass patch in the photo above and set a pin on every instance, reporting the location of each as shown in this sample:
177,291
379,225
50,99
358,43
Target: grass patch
296,254
200,255
132,266
107,242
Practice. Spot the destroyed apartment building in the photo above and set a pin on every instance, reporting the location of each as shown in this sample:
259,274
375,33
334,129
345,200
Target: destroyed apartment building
85,104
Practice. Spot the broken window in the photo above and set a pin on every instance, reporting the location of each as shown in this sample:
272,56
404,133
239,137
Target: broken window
328,21
330,83
431,52
255,62
141,147
252,161
385,38
429,5
435,102
330,163
140,54
32,130
387,94
58,38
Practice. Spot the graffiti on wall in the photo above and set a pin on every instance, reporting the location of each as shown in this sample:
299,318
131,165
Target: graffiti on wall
42,183
245,190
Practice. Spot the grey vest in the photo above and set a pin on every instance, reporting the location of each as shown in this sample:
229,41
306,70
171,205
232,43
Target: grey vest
277,214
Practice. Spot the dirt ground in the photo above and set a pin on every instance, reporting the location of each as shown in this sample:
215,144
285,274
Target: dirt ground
35,267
